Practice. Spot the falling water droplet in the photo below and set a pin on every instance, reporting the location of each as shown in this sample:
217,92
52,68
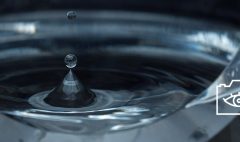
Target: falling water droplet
70,61
71,15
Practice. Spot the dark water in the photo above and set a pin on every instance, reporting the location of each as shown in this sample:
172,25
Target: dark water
140,69
133,85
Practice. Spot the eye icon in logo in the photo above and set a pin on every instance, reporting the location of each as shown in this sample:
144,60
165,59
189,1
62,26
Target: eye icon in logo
233,100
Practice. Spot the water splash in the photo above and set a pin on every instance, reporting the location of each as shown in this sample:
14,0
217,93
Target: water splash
71,92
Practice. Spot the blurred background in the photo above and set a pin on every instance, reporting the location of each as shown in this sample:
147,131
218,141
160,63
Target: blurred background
226,10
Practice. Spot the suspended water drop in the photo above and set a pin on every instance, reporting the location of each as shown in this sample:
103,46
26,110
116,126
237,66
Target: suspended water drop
71,92
71,15
71,61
